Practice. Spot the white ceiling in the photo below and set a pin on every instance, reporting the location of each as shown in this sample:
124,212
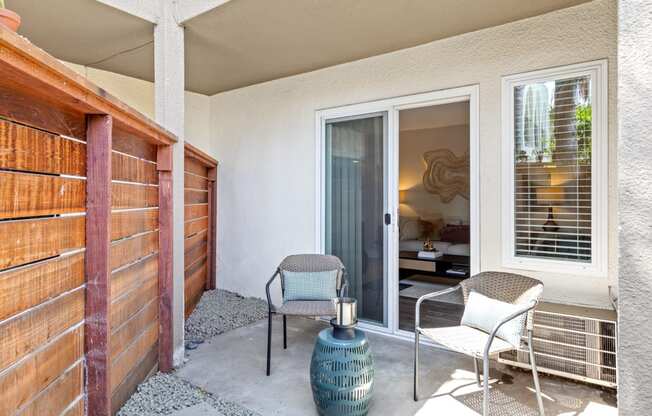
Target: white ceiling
244,42
86,32
434,117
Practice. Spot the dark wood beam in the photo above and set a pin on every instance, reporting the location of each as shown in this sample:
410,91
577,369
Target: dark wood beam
165,258
98,272
212,228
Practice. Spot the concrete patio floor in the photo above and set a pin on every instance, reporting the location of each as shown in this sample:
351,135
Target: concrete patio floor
233,366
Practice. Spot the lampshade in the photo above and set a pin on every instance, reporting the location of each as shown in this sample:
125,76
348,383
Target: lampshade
550,195
402,196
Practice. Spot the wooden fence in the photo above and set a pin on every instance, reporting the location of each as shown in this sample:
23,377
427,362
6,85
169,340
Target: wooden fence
199,225
85,240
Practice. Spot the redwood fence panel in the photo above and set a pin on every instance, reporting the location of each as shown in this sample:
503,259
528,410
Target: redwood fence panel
42,275
85,253
199,233
134,272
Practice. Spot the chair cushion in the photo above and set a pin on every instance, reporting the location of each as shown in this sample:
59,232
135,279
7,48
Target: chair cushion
483,313
310,285
307,308
465,340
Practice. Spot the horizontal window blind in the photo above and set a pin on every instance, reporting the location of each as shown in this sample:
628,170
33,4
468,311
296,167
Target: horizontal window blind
552,169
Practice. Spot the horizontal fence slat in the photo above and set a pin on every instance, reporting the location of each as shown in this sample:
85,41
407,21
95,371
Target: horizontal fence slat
129,278
128,386
131,249
25,333
58,395
131,169
191,269
192,196
191,242
195,226
28,195
192,212
124,307
26,287
126,195
194,182
77,409
128,223
29,107
129,331
28,149
194,166
21,384
196,251
25,241
134,147
134,353
194,286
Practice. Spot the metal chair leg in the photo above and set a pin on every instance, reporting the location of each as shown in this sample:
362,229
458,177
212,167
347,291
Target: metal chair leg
269,342
285,332
485,377
476,366
416,365
535,374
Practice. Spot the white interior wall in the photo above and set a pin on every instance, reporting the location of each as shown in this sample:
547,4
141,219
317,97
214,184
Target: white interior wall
265,138
418,201
140,95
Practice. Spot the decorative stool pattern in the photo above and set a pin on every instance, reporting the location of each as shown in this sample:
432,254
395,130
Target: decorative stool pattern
342,374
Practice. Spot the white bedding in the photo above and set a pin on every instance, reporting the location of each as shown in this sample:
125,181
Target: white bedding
446,248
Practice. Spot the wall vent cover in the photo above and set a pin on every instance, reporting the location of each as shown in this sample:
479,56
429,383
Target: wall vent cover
572,342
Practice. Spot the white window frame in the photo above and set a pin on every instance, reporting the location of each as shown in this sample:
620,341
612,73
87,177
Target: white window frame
597,70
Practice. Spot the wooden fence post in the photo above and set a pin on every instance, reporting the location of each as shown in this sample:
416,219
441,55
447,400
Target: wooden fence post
98,289
212,237
165,258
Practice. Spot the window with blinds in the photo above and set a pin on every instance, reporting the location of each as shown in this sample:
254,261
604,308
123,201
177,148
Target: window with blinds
552,169
552,161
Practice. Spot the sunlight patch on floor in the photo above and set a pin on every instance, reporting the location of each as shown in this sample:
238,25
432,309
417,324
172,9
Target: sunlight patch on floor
444,405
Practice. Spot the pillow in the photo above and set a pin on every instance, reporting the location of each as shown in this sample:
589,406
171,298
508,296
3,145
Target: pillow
483,313
310,285
459,249
456,234
410,229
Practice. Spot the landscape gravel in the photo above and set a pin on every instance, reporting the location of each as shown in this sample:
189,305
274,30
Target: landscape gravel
165,394
219,311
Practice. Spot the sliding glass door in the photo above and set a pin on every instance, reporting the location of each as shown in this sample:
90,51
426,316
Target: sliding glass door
355,207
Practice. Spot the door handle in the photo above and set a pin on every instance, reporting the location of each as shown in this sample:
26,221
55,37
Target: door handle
388,219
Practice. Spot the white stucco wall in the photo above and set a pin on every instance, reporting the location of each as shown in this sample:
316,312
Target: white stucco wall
140,95
635,215
265,138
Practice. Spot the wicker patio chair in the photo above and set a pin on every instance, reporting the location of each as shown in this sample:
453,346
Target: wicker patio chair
303,263
506,287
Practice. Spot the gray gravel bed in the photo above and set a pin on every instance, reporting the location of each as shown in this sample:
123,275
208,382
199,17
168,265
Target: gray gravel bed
164,394
219,311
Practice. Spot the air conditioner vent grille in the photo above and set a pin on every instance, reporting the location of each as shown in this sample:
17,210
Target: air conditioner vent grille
577,347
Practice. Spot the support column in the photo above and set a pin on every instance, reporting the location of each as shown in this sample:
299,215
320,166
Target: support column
635,206
98,270
212,227
169,108
165,259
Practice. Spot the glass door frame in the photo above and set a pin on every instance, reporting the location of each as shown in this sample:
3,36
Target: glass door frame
385,208
391,107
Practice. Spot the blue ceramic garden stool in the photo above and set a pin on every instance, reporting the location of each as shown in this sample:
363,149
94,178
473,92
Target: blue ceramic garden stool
342,372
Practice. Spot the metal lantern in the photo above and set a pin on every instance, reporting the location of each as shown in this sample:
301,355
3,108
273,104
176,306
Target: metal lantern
342,368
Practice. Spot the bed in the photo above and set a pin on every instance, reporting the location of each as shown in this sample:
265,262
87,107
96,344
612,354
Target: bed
450,239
